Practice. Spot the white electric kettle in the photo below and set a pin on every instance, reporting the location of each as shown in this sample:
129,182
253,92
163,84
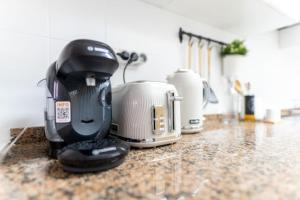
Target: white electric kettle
194,91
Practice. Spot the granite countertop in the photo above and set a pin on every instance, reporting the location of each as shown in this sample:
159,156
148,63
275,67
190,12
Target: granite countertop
241,161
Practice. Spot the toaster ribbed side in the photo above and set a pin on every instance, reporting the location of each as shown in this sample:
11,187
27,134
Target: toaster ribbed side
132,110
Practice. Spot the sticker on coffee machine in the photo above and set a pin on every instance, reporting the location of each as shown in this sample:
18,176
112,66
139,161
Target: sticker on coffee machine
63,112
194,121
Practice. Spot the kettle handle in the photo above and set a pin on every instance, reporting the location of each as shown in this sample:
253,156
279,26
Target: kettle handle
206,91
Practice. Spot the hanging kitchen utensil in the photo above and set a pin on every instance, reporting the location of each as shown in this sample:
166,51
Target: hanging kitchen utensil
221,60
200,49
190,46
209,61
238,87
211,96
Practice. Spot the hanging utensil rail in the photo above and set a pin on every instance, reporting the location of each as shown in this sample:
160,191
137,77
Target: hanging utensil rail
199,37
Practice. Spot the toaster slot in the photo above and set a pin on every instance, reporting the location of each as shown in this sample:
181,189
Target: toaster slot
158,119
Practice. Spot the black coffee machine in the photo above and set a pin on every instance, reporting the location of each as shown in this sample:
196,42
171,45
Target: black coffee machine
78,109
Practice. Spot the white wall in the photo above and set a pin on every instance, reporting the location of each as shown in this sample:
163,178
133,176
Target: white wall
289,37
273,71
33,32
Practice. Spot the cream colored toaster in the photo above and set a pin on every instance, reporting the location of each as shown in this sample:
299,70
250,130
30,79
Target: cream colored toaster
146,114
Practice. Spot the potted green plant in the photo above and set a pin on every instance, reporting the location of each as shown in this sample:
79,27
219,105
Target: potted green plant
233,54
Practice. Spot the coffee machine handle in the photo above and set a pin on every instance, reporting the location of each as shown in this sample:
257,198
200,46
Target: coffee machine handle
206,91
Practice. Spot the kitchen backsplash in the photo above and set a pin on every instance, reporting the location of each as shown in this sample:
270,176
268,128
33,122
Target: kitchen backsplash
33,36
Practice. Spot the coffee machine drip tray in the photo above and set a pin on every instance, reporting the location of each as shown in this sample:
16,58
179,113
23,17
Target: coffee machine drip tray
92,155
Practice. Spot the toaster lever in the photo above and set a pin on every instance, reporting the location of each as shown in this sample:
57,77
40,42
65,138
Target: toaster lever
176,98
171,98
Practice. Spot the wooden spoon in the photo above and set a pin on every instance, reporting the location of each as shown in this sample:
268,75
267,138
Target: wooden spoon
190,46
200,48
209,61
238,87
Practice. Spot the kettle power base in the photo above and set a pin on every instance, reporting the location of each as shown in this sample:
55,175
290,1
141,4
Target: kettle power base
191,131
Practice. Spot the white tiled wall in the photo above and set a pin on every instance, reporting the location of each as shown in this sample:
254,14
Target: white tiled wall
33,32
30,17
71,19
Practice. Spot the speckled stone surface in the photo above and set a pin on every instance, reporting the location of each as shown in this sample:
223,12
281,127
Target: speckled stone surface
241,161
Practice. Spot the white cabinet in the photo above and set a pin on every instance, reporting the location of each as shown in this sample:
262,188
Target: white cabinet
242,17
